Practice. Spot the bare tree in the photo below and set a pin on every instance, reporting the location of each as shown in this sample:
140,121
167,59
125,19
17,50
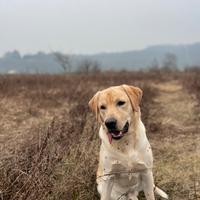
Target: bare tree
154,66
88,66
64,61
170,62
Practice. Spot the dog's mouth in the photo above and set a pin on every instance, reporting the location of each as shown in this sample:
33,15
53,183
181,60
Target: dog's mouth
118,134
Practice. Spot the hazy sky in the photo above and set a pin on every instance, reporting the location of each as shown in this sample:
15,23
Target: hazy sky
90,26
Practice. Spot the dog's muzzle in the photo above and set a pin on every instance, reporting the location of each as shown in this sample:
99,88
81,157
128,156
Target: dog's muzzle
118,134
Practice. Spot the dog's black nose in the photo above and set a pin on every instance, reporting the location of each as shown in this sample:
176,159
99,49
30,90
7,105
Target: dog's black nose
111,123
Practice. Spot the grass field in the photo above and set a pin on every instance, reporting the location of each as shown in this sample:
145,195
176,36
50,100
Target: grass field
49,139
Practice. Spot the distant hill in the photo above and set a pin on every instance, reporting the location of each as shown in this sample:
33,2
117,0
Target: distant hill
187,55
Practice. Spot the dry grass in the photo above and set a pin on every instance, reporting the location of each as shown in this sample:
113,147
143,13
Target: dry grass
49,142
177,160
48,137
191,80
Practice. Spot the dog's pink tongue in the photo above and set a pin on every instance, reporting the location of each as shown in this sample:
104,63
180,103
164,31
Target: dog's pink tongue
109,137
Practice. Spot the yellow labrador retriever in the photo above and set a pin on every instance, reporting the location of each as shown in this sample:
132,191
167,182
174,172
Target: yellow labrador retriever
126,161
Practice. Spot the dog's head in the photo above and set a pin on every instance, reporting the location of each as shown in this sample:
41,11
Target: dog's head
115,108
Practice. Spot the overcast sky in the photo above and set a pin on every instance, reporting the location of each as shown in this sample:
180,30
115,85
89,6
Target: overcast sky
90,26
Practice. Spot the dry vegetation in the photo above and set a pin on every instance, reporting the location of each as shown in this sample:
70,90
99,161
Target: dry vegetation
191,81
49,142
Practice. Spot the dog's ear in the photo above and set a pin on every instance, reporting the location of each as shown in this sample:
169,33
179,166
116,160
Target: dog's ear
135,95
93,104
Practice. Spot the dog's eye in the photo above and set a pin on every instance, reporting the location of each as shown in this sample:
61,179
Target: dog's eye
102,107
121,103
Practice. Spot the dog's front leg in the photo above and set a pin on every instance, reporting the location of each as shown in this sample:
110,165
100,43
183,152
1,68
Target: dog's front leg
107,188
148,185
